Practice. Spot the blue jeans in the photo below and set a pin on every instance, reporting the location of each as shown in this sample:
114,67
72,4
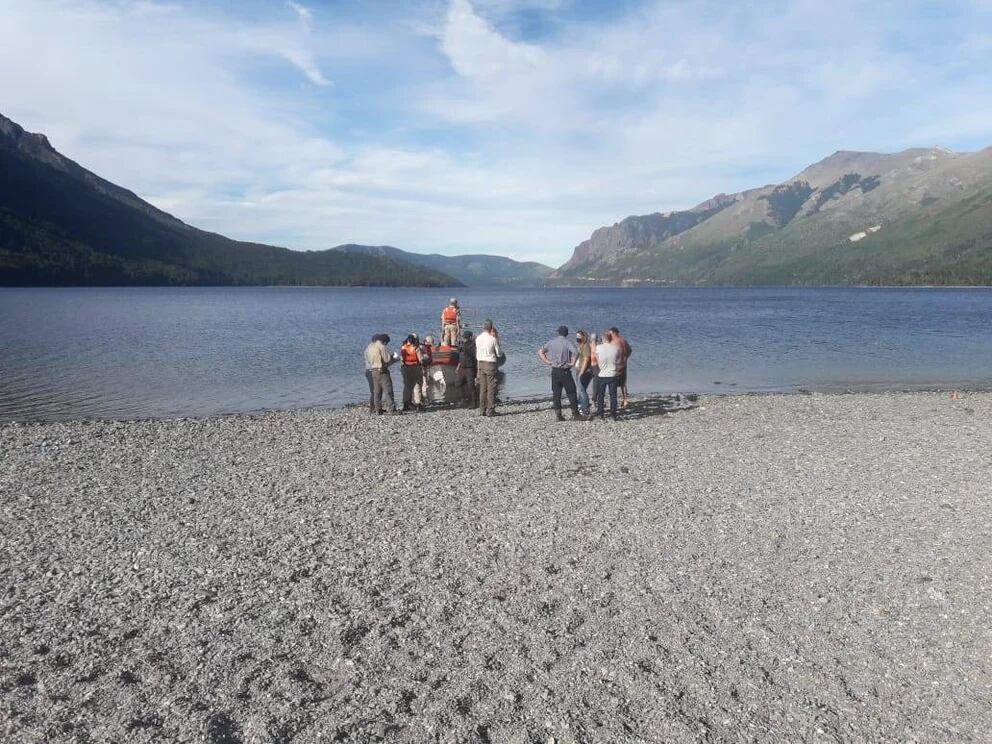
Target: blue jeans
605,383
581,385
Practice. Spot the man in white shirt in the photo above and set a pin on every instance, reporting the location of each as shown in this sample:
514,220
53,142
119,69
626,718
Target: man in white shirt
608,355
487,356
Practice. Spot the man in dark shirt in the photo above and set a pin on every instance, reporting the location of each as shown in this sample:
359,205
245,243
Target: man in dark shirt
465,370
561,353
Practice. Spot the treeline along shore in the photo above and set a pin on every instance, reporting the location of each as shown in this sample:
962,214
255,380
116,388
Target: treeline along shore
757,568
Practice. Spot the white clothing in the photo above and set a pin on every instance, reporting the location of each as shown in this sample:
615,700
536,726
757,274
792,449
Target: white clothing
609,357
487,348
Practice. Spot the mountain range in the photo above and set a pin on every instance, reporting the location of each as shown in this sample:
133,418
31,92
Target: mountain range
920,216
474,270
60,224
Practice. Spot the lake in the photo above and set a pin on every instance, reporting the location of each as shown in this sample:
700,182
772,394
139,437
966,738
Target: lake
165,352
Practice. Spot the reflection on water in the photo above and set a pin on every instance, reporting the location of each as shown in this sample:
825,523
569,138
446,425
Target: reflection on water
153,352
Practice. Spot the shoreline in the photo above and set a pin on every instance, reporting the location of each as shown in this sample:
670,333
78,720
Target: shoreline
531,399
760,567
490,287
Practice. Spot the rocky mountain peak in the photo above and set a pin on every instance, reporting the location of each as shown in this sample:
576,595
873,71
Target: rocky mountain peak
922,215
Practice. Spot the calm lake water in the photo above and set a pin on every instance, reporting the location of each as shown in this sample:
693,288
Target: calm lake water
160,352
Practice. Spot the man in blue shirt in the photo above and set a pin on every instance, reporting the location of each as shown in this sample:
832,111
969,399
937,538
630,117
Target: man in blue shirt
561,354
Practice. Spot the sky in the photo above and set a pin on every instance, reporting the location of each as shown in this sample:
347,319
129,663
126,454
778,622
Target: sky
514,127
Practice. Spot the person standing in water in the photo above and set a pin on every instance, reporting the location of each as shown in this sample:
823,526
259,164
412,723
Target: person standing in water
451,323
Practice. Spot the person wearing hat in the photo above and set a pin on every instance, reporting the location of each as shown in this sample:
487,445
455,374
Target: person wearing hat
451,323
466,370
561,354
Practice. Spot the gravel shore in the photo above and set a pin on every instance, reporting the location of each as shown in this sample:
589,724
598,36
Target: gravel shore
757,568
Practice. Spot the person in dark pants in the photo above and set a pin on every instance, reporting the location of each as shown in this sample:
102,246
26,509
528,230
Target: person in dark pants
412,371
377,361
487,356
607,355
466,370
561,353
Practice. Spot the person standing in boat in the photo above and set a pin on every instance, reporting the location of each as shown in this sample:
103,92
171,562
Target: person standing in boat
451,323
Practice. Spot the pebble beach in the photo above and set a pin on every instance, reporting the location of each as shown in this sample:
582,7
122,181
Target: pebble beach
730,569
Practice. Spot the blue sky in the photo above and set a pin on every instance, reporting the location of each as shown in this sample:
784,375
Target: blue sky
507,126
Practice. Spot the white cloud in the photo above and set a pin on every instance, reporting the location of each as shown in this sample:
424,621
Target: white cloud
477,50
299,53
474,137
305,13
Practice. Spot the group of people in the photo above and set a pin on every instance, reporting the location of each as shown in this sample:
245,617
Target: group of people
477,361
575,364
601,361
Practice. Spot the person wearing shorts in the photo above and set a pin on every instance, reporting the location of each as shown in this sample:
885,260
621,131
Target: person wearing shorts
625,351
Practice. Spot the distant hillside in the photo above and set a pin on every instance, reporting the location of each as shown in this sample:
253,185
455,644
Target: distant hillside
472,270
856,218
63,225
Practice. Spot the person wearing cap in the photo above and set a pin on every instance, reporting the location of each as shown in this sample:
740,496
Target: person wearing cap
487,356
561,354
466,370
451,323
377,361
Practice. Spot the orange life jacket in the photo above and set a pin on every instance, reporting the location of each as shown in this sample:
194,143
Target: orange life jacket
450,315
428,351
410,356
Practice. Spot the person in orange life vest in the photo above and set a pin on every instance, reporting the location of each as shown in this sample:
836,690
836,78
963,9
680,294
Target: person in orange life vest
426,360
451,323
413,371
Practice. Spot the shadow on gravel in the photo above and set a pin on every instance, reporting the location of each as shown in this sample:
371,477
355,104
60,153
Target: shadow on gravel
639,408
659,406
